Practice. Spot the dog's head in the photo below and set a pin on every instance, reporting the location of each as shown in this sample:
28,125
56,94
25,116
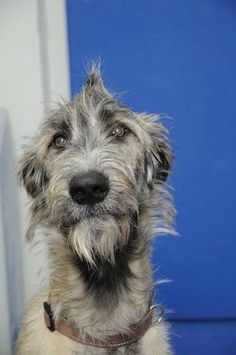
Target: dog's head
94,164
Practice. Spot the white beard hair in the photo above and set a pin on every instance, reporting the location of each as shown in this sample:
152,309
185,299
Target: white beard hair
99,237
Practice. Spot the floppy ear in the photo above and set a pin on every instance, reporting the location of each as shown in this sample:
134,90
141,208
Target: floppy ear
32,173
159,156
163,159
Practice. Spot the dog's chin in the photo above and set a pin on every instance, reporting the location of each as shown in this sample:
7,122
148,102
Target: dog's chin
96,236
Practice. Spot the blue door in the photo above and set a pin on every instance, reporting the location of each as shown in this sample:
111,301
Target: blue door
179,58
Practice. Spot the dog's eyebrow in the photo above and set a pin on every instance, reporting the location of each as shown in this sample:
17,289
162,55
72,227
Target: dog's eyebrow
58,124
107,114
112,115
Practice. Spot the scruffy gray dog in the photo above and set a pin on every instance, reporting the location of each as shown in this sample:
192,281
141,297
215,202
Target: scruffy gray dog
96,174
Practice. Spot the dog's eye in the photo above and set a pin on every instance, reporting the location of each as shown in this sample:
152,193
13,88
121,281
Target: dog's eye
59,141
119,131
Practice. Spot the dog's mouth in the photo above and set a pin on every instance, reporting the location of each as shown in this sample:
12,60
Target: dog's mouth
92,211
77,213
69,213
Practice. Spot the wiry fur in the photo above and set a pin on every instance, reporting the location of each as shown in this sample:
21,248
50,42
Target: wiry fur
100,277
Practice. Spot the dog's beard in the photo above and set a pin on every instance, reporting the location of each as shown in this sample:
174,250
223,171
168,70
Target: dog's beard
94,237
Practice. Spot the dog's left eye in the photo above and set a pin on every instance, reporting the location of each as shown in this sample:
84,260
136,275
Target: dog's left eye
119,131
59,141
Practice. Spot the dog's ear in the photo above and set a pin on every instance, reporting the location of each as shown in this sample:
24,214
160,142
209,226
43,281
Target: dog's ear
162,157
32,173
158,156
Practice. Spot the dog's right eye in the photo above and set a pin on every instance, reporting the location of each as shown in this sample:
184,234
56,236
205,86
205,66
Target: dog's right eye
59,141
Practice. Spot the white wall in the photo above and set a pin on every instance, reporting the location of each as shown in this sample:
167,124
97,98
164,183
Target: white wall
5,326
34,73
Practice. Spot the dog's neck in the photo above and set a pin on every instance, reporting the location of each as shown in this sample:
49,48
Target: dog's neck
106,296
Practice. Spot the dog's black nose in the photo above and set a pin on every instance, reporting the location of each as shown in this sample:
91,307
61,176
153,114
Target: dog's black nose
89,188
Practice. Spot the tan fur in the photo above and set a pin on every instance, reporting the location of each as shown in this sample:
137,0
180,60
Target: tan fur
112,238
35,338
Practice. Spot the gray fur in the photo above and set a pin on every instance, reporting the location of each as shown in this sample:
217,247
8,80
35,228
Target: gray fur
105,238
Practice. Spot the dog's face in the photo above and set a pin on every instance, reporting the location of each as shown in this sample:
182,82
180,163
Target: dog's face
94,159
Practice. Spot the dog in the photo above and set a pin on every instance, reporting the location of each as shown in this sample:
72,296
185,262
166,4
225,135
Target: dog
96,175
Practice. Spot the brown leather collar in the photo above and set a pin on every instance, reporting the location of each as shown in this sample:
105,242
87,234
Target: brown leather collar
136,331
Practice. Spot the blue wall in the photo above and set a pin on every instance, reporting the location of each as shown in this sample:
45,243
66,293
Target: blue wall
179,57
